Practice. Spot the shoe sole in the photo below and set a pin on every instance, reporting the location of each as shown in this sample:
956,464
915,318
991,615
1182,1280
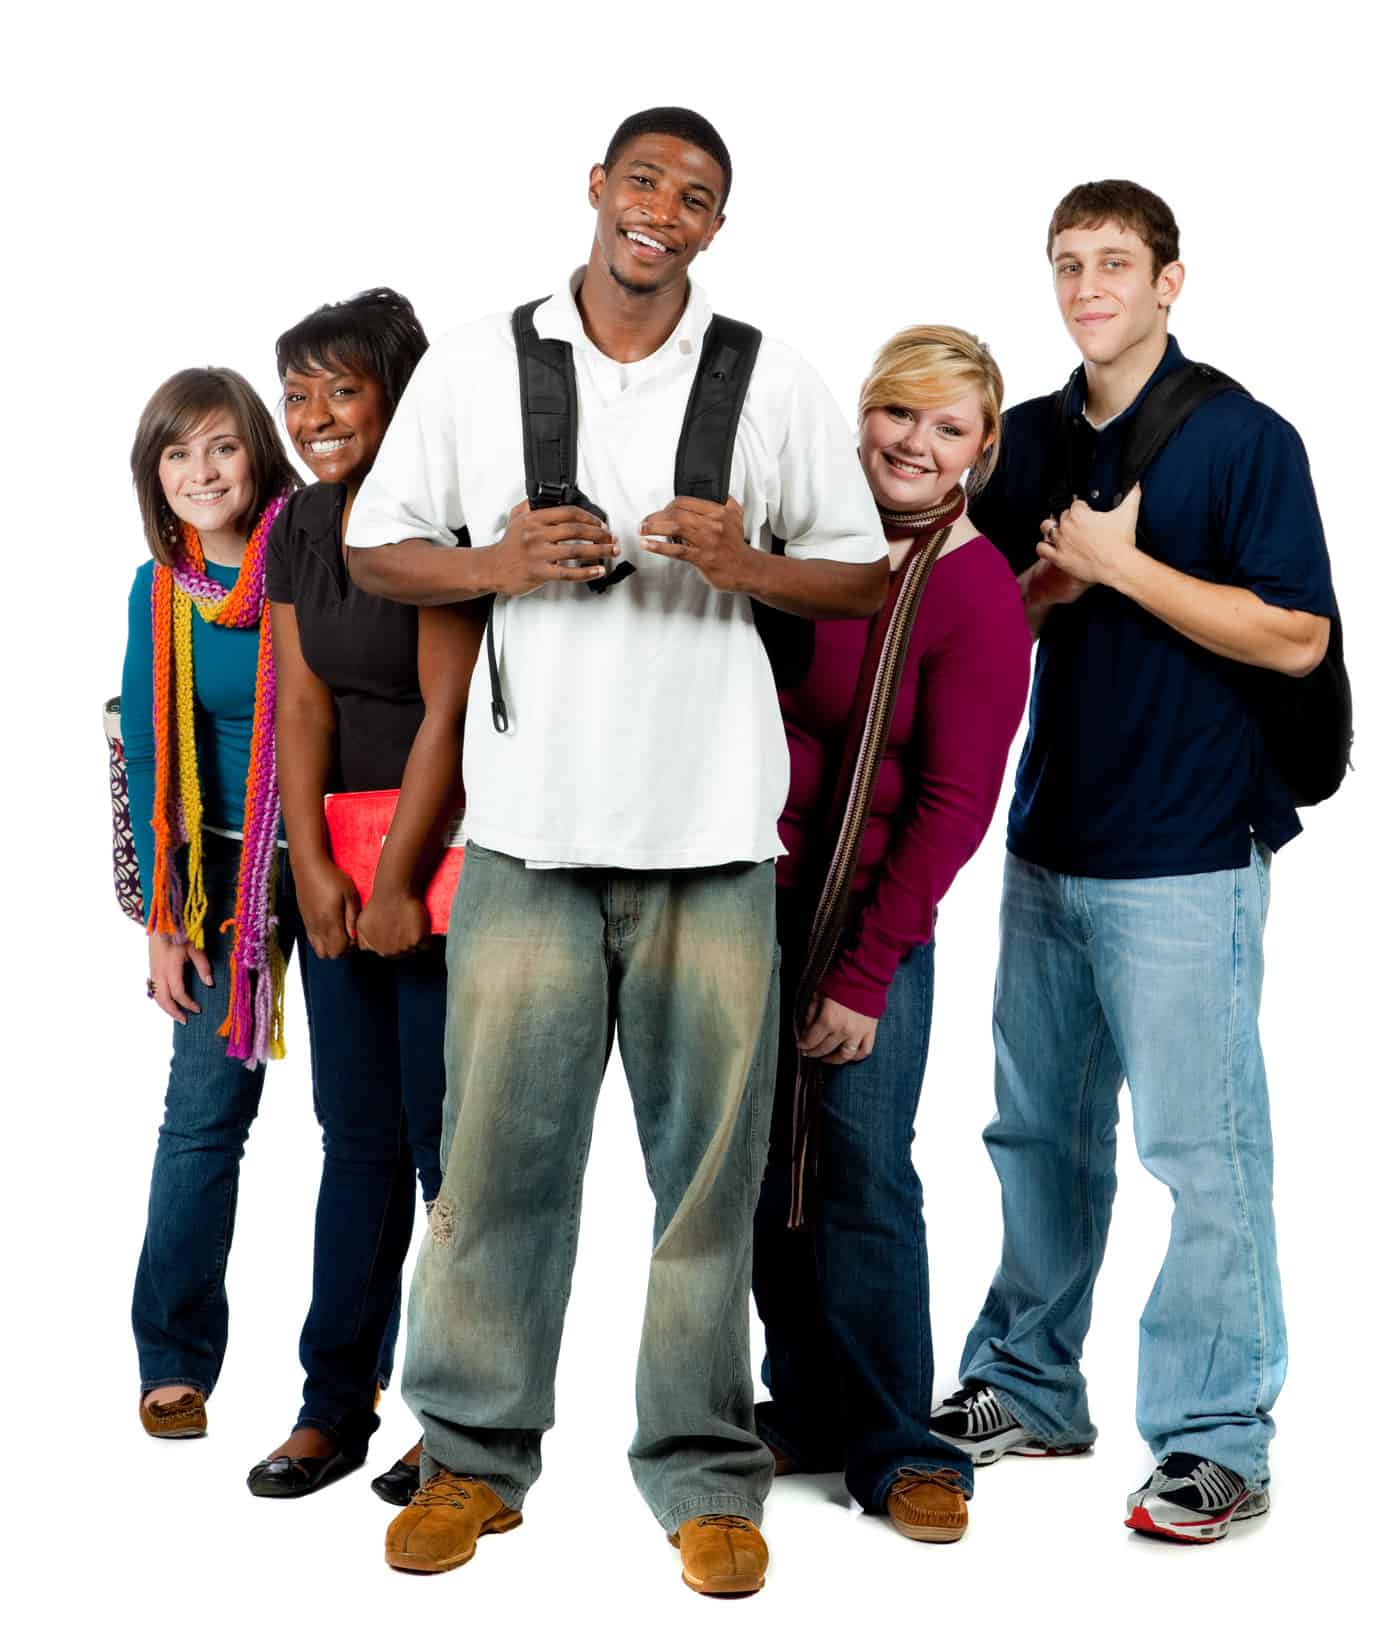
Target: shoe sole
193,1433
328,1479
992,1452
1209,1530
403,1560
929,1534
732,1586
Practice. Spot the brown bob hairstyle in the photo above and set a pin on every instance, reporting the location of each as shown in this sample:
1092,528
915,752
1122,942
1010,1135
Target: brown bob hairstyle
172,414
1115,200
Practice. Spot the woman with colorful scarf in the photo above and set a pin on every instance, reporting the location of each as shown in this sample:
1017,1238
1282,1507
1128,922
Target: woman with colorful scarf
198,702
898,732
372,697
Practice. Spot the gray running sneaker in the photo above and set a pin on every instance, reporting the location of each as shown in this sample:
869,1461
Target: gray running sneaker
977,1423
1189,1499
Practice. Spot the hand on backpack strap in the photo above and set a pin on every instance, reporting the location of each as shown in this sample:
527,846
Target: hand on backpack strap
1091,545
708,536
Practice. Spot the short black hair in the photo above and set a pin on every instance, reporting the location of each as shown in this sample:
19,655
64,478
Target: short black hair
374,331
686,124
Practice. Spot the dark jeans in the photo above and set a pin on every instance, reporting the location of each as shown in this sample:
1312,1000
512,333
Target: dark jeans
377,1075
844,1301
179,1312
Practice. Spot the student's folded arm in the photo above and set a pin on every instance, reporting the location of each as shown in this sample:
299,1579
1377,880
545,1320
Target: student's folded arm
401,535
449,638
420,572
836,563
1273,603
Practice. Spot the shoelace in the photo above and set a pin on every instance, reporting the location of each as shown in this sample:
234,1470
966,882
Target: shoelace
907,1478
441,1493
733,1523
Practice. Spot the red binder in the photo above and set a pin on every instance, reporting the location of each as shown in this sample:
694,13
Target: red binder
357,825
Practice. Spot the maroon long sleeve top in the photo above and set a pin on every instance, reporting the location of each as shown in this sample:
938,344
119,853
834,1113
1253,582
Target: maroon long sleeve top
960,701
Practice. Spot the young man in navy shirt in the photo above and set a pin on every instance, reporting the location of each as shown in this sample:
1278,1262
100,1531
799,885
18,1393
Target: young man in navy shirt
1145,816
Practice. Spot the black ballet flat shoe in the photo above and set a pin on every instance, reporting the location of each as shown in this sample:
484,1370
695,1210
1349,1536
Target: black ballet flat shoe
397,1484
298,1476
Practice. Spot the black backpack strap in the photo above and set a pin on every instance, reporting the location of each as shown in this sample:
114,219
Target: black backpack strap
1058,481
1168,404
703,460
711,424
548,410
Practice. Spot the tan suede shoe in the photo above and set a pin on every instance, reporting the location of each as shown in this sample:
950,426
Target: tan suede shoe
175,1419
928,1505
721,1555
439,1528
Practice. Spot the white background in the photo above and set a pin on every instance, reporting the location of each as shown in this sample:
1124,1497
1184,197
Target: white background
183,183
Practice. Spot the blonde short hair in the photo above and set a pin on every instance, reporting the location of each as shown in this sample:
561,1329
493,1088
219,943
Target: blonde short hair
925,366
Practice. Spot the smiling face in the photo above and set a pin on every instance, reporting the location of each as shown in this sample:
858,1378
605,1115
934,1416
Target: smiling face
914,457
1111,301
208,478
336,417
658,209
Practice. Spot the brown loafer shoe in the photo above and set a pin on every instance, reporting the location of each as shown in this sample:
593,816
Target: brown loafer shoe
721,1555
175,1419
439,1528
928,1505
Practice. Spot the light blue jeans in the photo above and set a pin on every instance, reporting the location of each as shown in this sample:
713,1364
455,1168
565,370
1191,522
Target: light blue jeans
1156,982
544,966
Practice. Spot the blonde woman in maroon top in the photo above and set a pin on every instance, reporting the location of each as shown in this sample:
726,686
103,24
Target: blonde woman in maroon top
898,733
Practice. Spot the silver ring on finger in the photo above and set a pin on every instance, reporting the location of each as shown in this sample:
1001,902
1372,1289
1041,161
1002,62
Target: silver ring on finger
850,1045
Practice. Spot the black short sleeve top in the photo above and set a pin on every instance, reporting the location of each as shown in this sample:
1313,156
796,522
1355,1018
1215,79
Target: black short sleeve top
363,647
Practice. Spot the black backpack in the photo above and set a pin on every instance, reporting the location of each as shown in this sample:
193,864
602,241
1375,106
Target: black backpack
1307,723
704,453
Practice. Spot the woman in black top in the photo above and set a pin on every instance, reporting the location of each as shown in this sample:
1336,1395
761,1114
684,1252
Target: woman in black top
371,695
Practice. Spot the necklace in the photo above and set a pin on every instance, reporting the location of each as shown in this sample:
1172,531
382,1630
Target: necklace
943,513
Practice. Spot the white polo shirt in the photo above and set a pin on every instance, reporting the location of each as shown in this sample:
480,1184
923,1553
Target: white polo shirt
644,723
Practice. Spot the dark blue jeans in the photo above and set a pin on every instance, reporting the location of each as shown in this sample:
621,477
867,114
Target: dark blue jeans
179,1312
377,1076
845,1301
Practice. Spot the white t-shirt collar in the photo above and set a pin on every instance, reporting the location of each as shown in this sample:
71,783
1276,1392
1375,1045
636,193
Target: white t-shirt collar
558,317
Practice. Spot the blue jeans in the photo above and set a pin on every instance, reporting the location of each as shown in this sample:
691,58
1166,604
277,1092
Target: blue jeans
544,965
179,1311
845,1301
376,1031
1156,981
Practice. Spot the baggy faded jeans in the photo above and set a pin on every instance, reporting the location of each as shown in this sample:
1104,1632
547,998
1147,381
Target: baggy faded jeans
1157,982
544,967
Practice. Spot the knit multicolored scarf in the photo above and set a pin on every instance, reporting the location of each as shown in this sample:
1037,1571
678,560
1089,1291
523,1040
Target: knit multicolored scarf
253,1026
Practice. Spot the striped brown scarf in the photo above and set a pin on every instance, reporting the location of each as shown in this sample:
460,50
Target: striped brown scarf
867,733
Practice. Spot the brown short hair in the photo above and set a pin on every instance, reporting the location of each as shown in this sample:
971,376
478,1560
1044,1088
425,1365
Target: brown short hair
1087,205
173,413
924,366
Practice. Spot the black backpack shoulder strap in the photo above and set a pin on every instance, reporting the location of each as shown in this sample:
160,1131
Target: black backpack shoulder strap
548,409
1169,402
1058,484
711,423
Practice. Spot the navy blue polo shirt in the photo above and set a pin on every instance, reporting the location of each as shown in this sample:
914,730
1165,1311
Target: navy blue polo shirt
1144,756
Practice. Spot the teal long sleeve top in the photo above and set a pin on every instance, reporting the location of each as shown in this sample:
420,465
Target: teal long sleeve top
225,682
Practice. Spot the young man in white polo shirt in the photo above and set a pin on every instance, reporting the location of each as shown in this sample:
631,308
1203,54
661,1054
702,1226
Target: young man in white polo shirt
620,874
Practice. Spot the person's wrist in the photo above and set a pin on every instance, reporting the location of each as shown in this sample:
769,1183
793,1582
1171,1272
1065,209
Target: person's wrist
1123,568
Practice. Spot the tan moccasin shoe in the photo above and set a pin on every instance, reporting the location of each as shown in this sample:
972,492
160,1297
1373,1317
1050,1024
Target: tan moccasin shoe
439,1528
721,1555
928,1505
175,1419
